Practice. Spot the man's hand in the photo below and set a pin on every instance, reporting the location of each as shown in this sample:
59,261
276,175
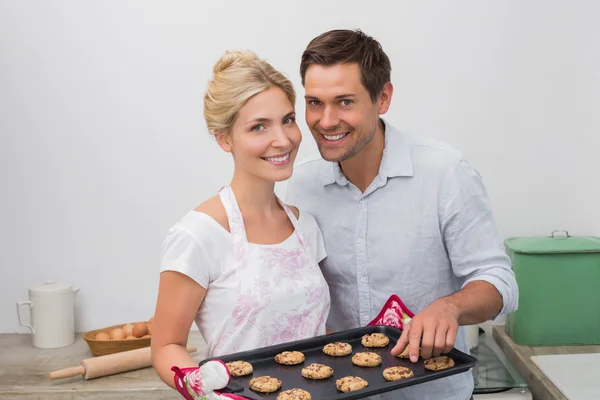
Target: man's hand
433,330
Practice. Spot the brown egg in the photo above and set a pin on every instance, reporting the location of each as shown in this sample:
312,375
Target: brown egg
130,338
149,327
102,336
146,336
140,329
117,334
128,329
151,320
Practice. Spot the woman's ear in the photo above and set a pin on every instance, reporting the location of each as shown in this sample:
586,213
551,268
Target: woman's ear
224,140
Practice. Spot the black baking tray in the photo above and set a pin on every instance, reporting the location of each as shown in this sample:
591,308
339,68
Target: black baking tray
263,363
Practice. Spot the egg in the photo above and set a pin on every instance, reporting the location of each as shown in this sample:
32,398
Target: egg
139,329
146,337
130,338
149,327
102,336
117,334
128,329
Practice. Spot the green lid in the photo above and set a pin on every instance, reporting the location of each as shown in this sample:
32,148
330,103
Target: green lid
557,242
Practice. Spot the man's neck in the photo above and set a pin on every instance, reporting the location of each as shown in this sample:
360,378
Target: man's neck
361,169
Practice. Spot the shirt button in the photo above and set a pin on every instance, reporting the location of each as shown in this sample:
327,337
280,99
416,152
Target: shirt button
365,318
360,240
363,279
362,201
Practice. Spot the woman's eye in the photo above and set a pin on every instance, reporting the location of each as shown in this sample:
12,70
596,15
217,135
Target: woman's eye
258,128
289,120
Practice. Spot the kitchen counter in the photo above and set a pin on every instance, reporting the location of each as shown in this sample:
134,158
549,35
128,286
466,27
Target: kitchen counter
24,374
538,383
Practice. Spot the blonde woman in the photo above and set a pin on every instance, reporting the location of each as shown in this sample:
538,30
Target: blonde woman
243,265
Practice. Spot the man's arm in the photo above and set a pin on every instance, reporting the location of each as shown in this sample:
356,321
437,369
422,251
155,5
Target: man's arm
476,254
477,302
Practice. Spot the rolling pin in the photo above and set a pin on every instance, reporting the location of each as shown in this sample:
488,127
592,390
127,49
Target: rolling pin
97,367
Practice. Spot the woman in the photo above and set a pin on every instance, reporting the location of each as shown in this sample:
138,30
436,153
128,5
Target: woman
243,264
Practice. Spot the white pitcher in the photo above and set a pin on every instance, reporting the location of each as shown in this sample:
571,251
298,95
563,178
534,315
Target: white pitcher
52,314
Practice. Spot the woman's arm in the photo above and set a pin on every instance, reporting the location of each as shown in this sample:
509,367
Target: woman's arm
179,298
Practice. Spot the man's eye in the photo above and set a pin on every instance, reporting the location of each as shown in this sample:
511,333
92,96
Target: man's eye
258,128
314,103
346,102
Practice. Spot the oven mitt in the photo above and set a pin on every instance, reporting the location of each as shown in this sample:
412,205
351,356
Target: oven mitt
201,383
394,313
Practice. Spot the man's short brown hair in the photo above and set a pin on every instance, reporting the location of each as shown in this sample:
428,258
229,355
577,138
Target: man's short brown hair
343,46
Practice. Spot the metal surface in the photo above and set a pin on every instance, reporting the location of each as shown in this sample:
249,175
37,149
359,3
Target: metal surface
263,363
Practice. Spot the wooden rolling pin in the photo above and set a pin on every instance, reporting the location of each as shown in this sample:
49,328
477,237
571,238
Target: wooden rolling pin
110,364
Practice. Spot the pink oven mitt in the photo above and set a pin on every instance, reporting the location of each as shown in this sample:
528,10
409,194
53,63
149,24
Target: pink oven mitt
394,313
202,383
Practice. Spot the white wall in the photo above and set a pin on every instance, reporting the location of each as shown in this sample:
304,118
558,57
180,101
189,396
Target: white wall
103,145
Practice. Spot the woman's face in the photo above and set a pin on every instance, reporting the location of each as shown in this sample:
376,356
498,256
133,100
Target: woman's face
264,139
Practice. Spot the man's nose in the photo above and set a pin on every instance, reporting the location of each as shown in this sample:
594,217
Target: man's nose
329,119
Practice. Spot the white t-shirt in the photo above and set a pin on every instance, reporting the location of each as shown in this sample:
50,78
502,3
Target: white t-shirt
199,247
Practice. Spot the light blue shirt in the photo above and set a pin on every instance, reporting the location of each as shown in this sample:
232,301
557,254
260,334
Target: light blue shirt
423,229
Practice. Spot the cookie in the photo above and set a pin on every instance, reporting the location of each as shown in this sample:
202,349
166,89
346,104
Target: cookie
337,349
350,384
240,368
404,354
375,340
265,384
289,358
294,394
317,371
366,359
397,373
439,363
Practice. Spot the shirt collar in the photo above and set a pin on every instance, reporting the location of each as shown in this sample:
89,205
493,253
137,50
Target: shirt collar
396,160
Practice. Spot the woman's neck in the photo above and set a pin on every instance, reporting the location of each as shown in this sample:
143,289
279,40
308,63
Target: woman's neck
256,197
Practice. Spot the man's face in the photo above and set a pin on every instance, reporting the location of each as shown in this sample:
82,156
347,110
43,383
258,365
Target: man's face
339,111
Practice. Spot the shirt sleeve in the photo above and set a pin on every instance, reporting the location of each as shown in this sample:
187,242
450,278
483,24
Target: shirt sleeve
182,253
473,243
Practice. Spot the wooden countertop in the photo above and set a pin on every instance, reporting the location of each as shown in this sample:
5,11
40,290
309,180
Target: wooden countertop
24,374
539,385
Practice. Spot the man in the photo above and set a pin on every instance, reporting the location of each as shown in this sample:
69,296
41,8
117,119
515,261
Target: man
399,213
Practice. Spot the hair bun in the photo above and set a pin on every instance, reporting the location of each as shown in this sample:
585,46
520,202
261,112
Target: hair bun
233,57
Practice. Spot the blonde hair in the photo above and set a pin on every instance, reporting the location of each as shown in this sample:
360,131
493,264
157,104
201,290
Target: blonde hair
239,75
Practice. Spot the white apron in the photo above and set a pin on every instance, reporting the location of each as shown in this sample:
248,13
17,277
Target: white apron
281,293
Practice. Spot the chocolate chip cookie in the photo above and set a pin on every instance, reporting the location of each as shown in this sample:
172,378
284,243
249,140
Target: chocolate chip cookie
439,363
240,368
404,354
337,349
375,340
397,373
366,359
350,383
265,384
317,371
294,394
290,358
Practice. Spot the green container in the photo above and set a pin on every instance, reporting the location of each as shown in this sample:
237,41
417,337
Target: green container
559,289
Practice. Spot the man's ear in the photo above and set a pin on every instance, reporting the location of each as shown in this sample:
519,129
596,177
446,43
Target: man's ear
224,140
385,97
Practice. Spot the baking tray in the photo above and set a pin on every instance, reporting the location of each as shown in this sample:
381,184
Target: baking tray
263,363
